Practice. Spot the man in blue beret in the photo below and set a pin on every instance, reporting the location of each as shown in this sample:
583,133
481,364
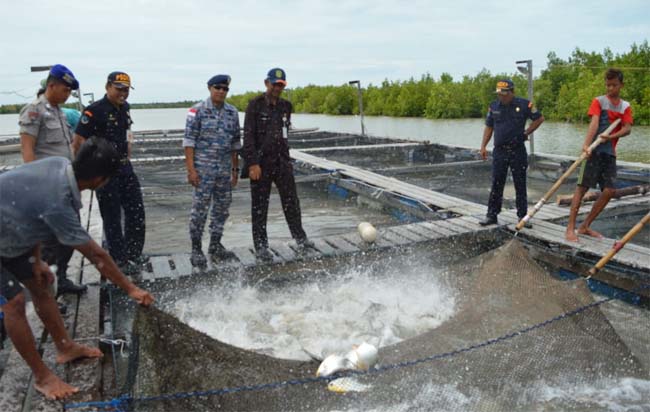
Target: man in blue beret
44,132
506,118
266,152
211,145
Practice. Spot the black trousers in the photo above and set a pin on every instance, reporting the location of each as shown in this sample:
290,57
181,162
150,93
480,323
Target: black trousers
59,255
282,175
516,159
122,193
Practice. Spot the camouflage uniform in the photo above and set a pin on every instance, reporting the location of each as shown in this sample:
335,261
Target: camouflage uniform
215,134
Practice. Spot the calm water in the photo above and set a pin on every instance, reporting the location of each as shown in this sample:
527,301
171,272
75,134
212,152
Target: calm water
554,138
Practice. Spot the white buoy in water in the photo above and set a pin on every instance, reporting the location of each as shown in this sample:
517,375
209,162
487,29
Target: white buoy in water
367,232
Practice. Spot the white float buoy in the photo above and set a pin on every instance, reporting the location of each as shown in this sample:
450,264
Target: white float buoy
367,232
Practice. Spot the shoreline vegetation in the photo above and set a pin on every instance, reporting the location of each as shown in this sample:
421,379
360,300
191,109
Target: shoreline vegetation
563,91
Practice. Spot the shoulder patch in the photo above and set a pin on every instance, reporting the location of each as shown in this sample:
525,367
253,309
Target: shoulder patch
191,112
33,115
88,113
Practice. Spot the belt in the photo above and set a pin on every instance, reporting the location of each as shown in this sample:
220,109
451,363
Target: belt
511,146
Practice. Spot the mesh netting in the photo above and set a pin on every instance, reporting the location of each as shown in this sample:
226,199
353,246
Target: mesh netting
521,340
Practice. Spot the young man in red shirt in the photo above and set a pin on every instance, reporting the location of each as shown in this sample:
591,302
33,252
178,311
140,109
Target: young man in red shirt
600,167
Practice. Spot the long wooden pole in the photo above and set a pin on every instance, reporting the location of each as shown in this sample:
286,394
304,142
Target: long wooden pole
591,196
619,245
562,178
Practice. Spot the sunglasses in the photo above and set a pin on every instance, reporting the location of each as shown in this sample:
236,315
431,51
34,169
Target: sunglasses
219,87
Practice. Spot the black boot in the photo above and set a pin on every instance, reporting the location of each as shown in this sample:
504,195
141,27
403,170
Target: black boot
304,244
489,220
264,255
218,252
197,257
65,285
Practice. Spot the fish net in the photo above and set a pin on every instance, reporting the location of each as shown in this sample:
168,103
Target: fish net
520,340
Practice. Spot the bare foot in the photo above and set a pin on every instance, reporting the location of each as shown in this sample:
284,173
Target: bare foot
52,387
571,236
590,232
77,351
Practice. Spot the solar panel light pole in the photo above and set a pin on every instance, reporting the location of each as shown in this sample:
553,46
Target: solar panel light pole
75,93
528,70
92,97
358,83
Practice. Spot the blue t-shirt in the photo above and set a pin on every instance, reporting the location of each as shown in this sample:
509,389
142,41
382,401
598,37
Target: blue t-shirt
72,117
39,202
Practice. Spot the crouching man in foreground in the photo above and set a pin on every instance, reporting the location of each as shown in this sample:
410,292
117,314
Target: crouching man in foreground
39,201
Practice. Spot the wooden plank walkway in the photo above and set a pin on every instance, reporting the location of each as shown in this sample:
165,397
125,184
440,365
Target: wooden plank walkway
435,199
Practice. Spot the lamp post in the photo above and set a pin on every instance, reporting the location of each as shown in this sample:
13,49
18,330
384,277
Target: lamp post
358,83
92,97
528,70
77,94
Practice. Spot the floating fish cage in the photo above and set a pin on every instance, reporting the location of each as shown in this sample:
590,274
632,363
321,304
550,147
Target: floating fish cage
476,321
464,317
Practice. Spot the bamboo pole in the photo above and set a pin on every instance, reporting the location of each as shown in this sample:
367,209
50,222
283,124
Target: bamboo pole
562,178
565,200
619,245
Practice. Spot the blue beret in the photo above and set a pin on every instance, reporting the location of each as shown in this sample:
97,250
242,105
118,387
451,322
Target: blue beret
219,79
64,74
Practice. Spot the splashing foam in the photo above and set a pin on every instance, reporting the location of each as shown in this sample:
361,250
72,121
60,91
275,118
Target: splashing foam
318,319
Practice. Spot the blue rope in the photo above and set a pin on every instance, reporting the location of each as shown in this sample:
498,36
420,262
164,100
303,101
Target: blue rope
124,400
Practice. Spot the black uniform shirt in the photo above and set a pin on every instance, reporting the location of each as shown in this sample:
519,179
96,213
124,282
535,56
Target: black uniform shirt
110,122
509,120
264,143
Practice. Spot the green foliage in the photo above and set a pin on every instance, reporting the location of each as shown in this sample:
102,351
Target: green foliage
563,91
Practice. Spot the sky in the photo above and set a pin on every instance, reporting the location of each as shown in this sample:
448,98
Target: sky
171,48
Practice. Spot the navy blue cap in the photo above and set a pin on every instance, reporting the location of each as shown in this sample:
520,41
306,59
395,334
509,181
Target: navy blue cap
505,85
120,79
64,74
219,79
277,75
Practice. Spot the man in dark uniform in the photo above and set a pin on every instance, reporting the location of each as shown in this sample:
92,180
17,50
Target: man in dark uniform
266,153
507,119
109,118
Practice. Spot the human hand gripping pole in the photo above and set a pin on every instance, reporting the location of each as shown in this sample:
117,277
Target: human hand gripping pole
566,174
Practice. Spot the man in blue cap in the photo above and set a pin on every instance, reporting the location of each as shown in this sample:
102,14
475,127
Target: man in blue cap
110,118
211,145
506,118
44,132
266,152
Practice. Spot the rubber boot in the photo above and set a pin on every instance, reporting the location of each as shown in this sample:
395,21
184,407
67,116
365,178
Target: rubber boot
197,257
218,252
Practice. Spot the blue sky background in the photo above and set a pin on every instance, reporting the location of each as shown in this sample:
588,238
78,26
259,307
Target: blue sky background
171,48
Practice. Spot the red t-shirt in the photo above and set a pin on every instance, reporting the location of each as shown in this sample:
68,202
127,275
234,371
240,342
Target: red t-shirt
608,112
